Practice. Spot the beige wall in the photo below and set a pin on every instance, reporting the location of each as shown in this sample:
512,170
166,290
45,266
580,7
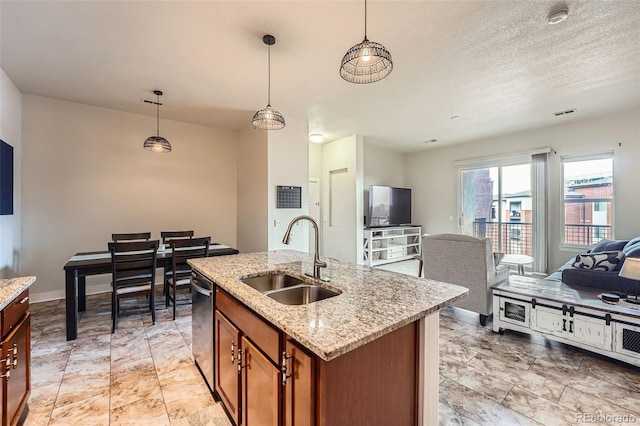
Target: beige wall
288,166
85,175
381,167
342,238
434,179
11,133
253,205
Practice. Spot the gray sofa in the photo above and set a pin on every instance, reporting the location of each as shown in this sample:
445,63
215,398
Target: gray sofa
605,280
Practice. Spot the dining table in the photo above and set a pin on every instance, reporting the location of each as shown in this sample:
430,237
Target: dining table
83,264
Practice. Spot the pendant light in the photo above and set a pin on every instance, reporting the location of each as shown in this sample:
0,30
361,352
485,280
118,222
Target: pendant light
268,118
157,143
366,62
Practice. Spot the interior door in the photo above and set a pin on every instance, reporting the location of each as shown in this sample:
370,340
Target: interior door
227,377
314,212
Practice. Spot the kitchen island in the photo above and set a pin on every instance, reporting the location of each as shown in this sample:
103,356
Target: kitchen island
368,355
15,347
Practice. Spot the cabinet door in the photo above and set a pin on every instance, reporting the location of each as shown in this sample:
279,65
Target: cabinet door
299,407
592,331
260,388
16,388
549,320
227,377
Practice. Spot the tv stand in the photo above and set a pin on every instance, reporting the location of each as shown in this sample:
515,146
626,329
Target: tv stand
391,244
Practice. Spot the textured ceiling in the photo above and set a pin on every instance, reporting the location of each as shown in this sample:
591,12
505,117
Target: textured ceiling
496,64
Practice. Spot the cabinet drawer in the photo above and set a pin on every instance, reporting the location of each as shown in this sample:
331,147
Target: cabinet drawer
265,336
14,312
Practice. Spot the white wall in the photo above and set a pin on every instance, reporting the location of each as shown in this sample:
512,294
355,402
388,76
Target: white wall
288,152
85,176
253,232
342,160
11,133
381,167
434,179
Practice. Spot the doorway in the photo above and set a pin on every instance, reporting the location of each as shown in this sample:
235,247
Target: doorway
314,212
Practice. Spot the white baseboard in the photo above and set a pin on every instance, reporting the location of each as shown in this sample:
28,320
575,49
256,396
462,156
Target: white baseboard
60,294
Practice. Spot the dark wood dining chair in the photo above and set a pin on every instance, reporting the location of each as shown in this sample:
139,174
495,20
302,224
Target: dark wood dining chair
183,250
133,265
167,236
144,236
173,235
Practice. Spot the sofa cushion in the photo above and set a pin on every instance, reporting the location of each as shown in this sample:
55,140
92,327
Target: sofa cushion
601,261
609,245
632,250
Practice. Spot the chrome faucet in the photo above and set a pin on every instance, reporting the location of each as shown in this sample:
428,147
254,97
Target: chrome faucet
317,263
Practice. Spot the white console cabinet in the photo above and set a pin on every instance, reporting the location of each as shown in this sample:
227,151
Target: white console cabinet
572,315
386,245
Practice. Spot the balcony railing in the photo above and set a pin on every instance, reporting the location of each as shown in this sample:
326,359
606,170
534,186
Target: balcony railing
517,236
586,234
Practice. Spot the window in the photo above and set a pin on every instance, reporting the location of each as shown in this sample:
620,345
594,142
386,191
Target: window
588,199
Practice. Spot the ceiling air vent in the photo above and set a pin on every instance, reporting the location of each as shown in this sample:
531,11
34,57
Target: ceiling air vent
569,111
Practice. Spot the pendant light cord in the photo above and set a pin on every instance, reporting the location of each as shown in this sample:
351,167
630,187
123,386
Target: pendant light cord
365,19
158,116
269,84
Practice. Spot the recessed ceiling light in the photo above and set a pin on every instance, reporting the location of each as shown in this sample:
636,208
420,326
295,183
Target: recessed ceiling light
455,117
558,16
316,138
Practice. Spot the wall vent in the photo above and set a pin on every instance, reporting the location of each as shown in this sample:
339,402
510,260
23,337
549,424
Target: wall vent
569,111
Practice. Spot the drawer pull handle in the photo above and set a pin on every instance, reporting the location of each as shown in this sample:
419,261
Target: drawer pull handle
233,354
24,300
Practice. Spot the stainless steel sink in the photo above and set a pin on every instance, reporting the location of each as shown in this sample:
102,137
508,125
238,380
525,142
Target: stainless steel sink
287,289
301,294
264,283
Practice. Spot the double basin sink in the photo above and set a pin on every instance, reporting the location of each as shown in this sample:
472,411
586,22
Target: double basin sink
288,290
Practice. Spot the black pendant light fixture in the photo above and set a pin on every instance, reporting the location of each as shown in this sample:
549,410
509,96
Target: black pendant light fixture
366,62
157,143
268,118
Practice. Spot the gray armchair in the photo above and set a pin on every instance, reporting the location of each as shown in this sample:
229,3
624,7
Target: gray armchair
466,261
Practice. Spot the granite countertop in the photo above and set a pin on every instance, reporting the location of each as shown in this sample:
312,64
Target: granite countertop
12,287
372,302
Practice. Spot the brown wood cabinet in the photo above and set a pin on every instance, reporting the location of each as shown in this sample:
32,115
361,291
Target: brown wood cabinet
15,358
374,384
227,379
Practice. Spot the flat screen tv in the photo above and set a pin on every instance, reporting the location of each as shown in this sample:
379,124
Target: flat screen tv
389,206
6,178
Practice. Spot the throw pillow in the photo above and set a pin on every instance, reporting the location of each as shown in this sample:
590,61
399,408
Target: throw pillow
602,261
608,245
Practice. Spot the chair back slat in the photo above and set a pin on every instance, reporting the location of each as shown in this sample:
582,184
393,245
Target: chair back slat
167,236
131,236
183,250
133,263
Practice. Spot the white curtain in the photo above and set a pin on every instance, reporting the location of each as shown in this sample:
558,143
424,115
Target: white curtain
539,195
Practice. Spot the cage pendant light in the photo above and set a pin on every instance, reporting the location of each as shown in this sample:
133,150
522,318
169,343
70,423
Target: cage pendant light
366,62
268,118
157,143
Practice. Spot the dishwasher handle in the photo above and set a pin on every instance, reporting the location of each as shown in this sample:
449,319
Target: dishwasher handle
201,290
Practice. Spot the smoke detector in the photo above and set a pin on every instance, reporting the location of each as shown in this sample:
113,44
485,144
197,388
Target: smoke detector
558,16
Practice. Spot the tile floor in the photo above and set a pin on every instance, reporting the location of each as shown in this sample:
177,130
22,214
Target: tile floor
144,374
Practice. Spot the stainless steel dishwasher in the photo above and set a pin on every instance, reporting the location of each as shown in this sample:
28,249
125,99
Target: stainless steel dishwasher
202,326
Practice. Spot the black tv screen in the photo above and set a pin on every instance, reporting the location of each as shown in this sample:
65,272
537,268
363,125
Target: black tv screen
6,178
389,206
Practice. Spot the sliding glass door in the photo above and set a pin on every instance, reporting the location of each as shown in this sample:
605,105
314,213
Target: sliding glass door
496,202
